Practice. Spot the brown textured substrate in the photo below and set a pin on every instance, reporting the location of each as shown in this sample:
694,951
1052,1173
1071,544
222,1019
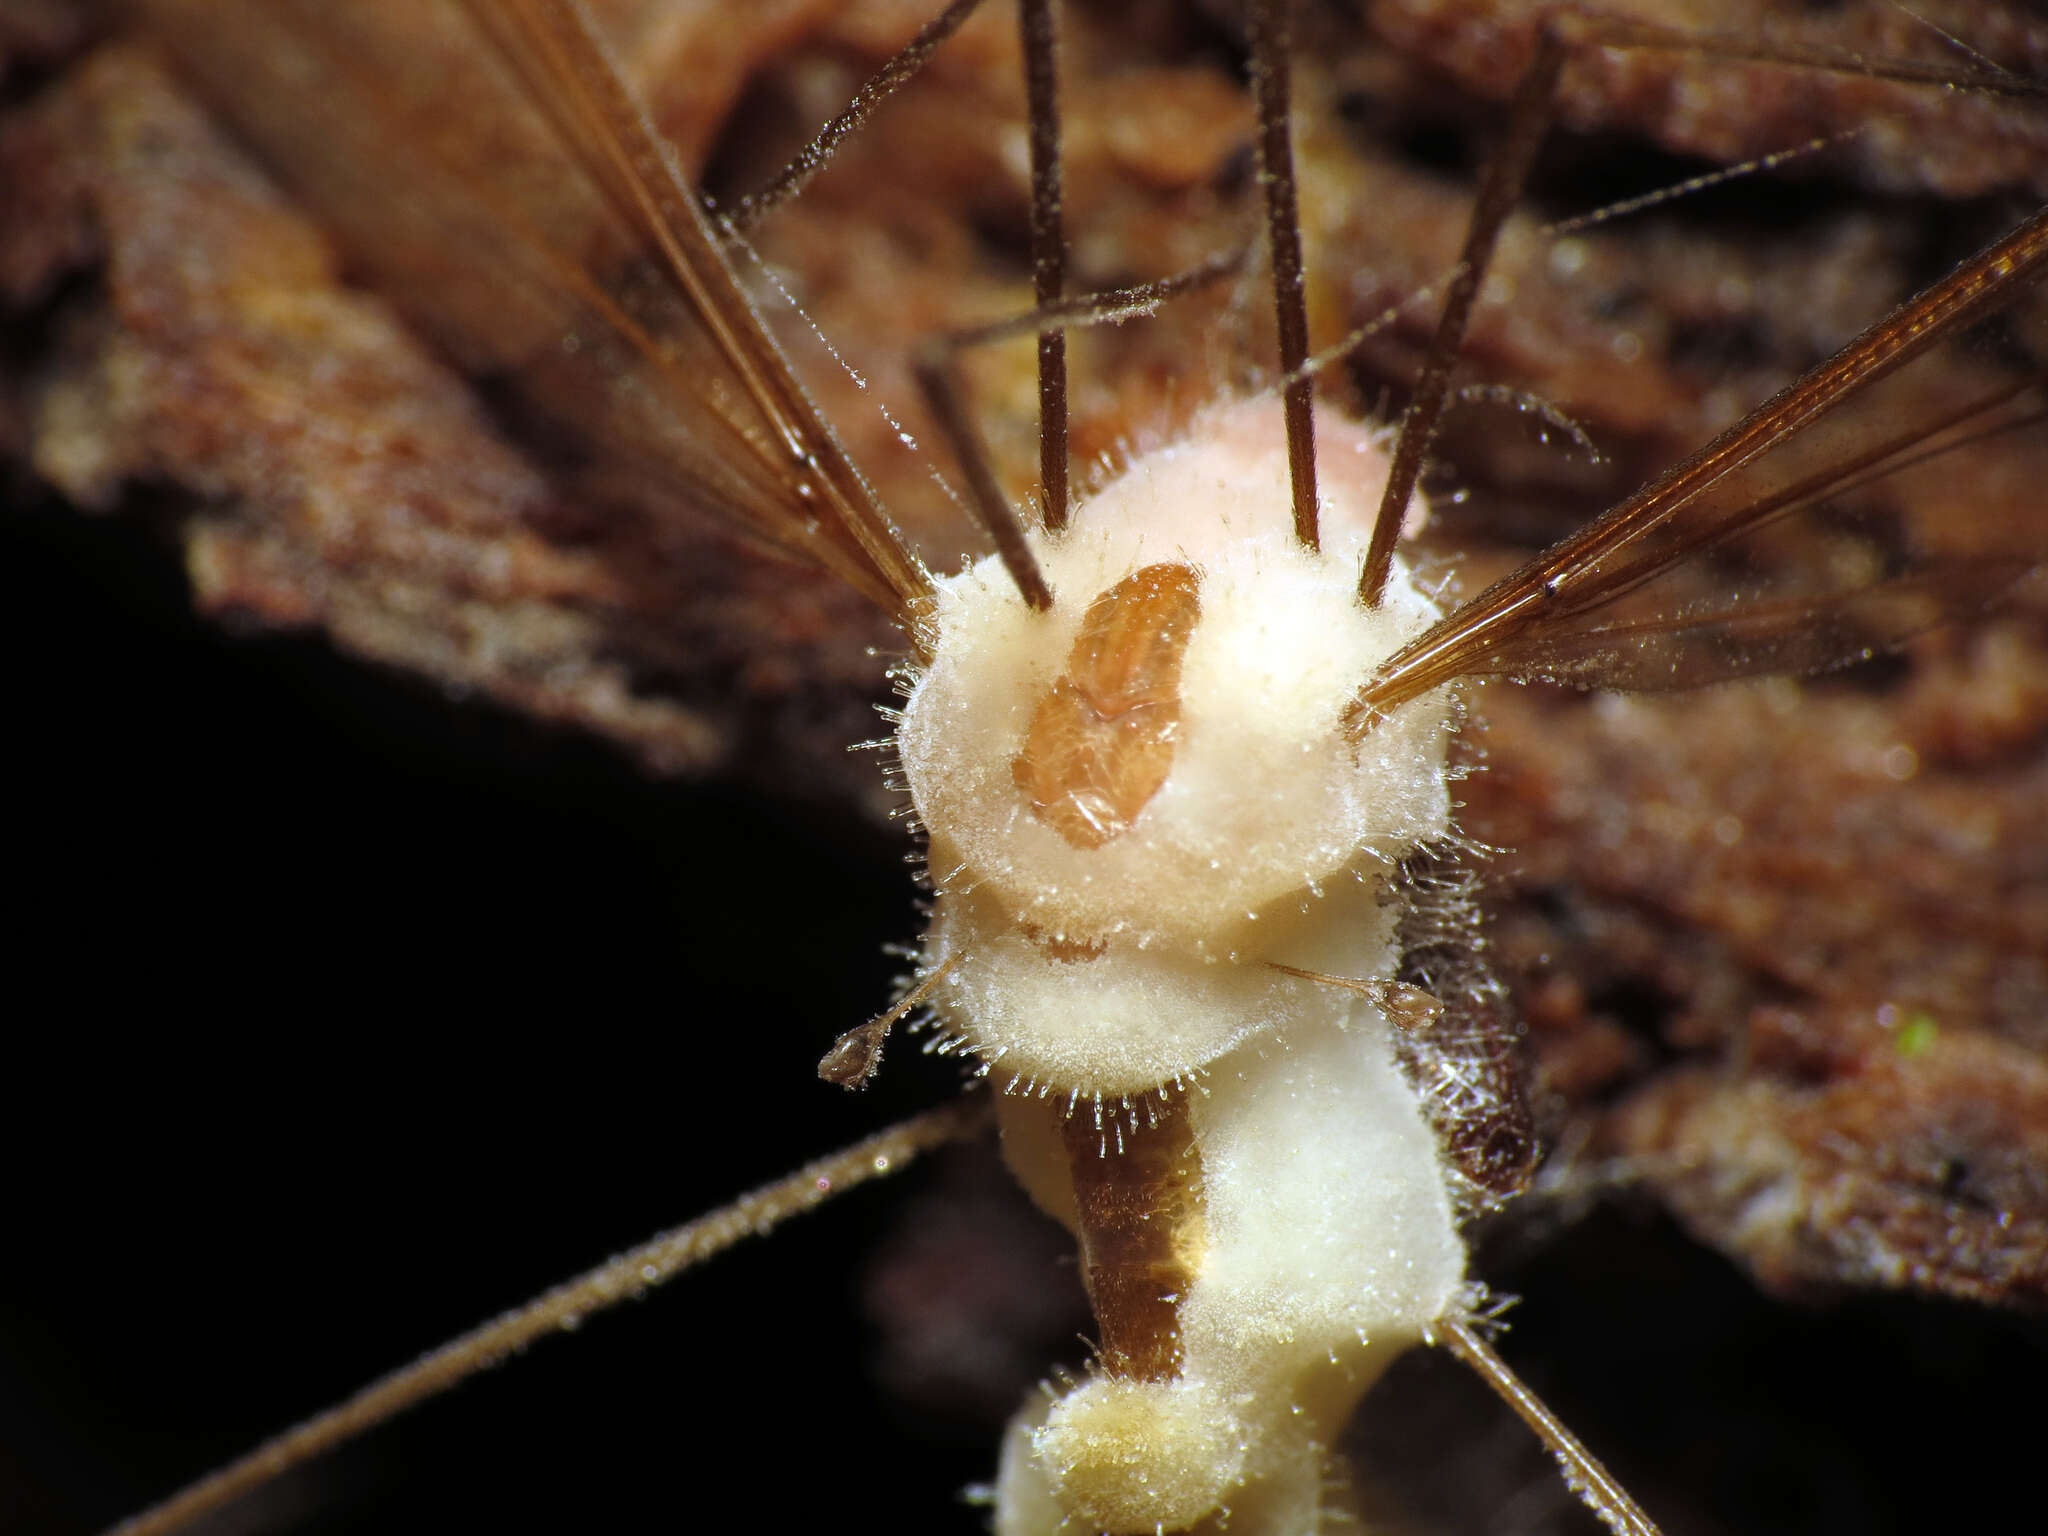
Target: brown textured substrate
1782,951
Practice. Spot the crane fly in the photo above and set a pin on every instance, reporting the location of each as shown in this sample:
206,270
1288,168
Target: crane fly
1558,617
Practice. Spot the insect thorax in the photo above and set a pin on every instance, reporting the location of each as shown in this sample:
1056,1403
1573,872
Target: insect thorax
1140,804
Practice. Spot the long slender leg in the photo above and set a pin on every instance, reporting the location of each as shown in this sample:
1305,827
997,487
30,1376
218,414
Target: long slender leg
1499,194
1272,92
885,82
621,1278
938,379
1582,1471
1048,250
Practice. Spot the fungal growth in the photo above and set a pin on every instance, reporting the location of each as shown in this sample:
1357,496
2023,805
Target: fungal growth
1140,805
1139,809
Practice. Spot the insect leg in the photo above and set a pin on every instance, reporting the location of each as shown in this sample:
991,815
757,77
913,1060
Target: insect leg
1586,1477
620,1278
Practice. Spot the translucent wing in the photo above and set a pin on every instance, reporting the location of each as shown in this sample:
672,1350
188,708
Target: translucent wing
486,163
1620,603
1791,637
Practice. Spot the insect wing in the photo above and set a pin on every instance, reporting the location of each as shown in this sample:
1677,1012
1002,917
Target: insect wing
1622,603
518,207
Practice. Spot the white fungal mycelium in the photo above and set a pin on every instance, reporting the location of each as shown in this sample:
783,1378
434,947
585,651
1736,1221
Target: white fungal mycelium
1104,981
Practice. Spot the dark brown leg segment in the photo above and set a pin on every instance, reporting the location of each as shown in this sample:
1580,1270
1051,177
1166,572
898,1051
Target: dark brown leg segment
1139,1194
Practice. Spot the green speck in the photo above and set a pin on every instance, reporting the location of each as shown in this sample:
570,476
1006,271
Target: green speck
1916,1035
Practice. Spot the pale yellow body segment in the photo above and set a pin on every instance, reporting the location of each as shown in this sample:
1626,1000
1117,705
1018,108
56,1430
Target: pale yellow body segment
1122,985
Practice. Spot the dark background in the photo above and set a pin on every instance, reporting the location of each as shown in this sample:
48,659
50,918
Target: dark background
345,1015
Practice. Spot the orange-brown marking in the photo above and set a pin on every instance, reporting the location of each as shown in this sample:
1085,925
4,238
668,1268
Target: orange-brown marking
1063,948
1101,740
1138,1192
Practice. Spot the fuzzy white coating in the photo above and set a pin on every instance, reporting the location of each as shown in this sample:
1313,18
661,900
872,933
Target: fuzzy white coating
1270,809
1140,1014
1329,1246
1326,1237
1121,1023
1267,792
